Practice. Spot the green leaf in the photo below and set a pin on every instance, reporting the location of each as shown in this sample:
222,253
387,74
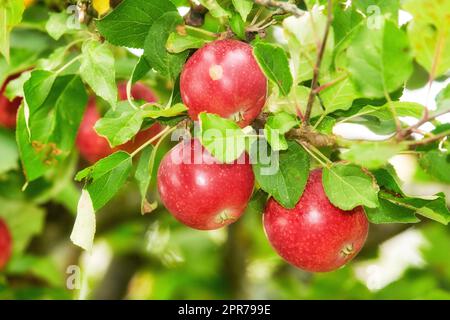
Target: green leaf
380,119
129,23
98,70
177,43
384,9
106,177
276,127
381,55
387,178
285,175
166,63
302,35
274,62
43,268
83,231
14,88
348,186
372,155
428,34
443,100
143,176
120,125
221,137
437,164
154,112
294,103
10,15
140,70
57,25
214,8
388,212
10,155
244,7
339,96
435,209
55,110
238,26
24,220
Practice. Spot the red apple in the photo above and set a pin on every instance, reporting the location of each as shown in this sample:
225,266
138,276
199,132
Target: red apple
8,109
199,191
315,235
5,244
94,147
224,78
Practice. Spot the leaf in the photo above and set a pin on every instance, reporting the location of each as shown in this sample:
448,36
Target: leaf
283,175
98,70
274,63
24,220
435,209
381,55
221,137
244,7
154,112
443,100
276,127
388,212
140,70
43,268
120,125
385,9
214,8
10,15
428,34
9,154
303,34
56,25
437,164
143,175
37,88
129,23
14,88
372,155
166,63
380,119
55,110
106,177
387,177
348,186
177,43
295,103
238,26
339,96
83,231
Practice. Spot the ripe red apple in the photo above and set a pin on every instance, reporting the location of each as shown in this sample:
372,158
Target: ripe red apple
315,235
94,147
8,109
5,244
199,191
224,78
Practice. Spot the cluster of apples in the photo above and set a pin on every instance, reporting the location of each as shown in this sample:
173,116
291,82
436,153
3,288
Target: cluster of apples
224,78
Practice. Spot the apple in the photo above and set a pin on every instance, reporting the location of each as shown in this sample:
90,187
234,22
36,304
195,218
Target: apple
5,244
201,192
93,147
315,235
8,109
224,78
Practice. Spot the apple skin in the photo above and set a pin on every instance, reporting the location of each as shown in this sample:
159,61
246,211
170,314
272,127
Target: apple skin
224,78
93,147
204,195
315,235
5,244
8,109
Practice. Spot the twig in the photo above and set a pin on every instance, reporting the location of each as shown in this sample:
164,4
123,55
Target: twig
315,80
285,6
426,118
429,140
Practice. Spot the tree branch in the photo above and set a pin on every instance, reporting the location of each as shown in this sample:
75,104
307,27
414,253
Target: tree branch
430,140
316,72
426,118
286,7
